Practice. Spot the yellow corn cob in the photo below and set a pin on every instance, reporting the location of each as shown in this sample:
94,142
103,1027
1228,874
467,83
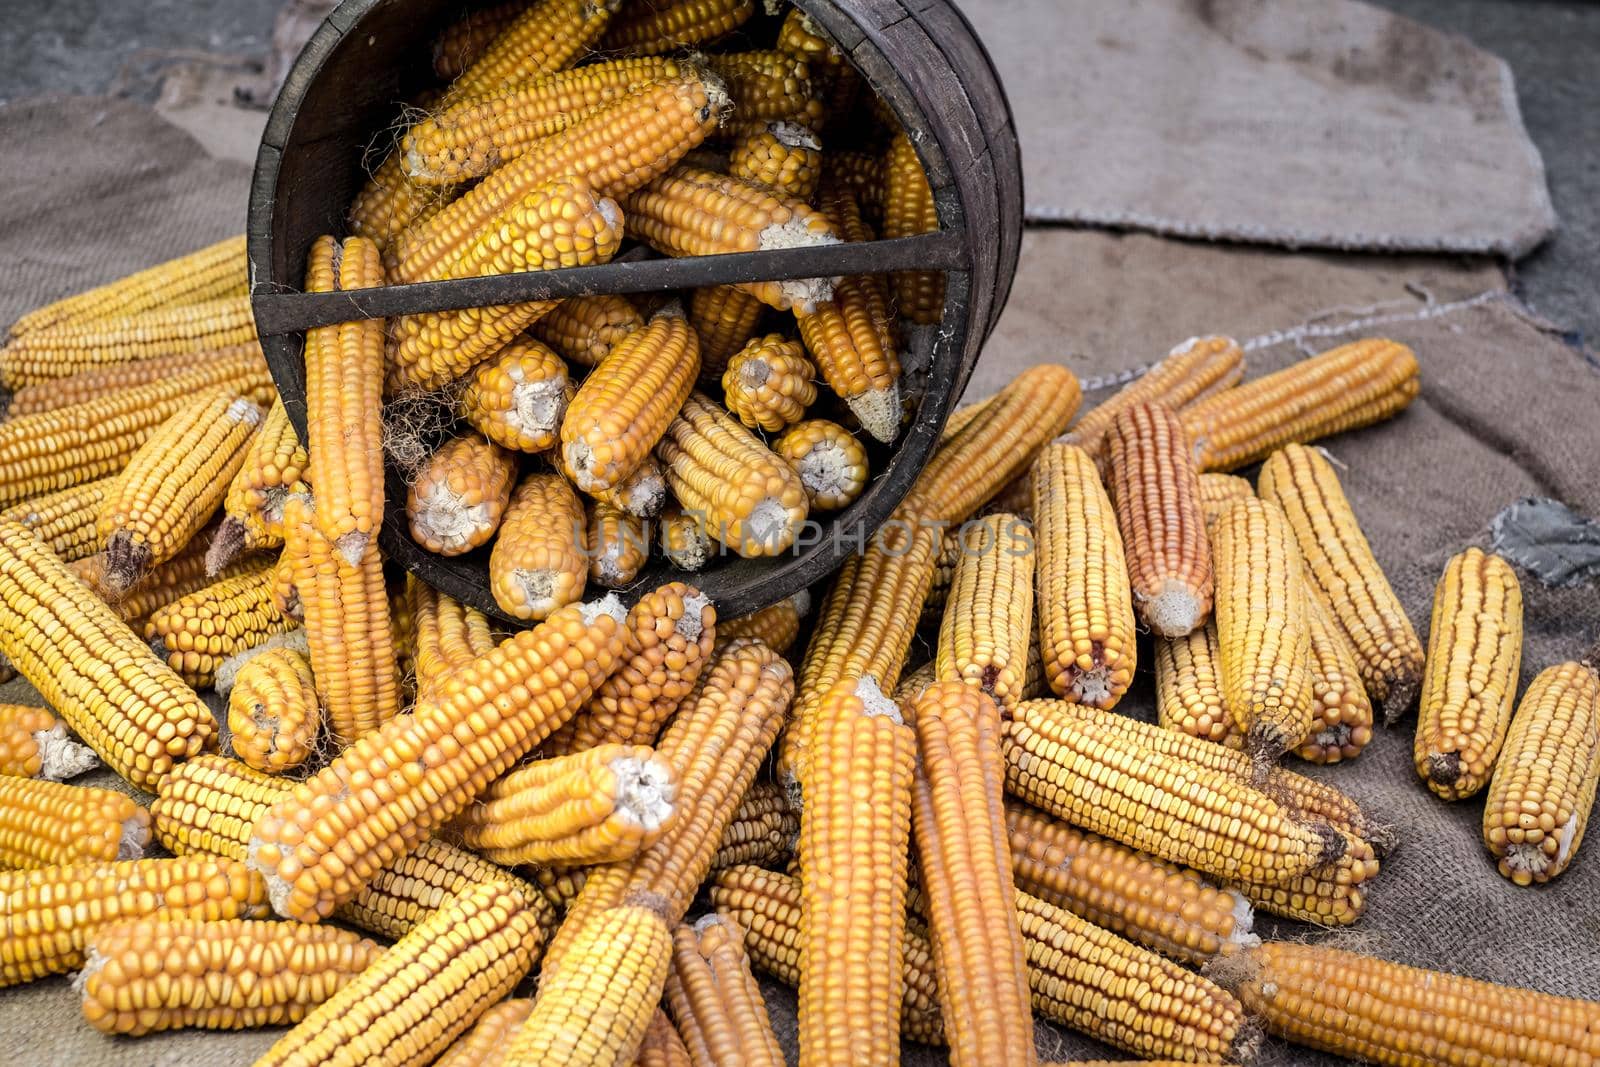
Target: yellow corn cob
763,831
944,572
449,635
767,86
913,682
862,173
1539,801
1382,1012
1154,486
725,320
776,625
556,223
1345,575
617,545
908,209
464,40
626,404
1181,812
1198,368
548,35
584,329
668,25
484,1045
662,1047
784,156
302,840
348,634
274,466
517,398
220,365
472,136
1216,490
1086,624
66,520
1147,901
854,858
734,486
180,576
389,202
458,498
1263,628
34,744
964,858
693,212
72,347
87,664
431,986
714,999
46,824
145,976
767,383
52,913
655,124
598,805
1189,687
1341,714
195,633
538,564
851,337
1330,896
831,462
988,618
833,79
173,484
285,597
685,544
1342,389
218,270
273,713
716,745
1470,684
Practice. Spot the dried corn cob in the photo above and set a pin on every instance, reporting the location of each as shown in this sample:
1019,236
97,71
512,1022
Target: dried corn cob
195,633
555,223
119,698
538,564
1216,490
1342,389
274,466
1544,788
855,863
217,364
458,498
714,999
662,1047
464,40
944,573
548,35
1470,685
1086,624
34,744
1194,370
517,398
1147,901
473,135
1331,896
1189,687
831,462
617,545
767,383
626,404
1341,714
1181,812
431,986
51,914
273,713
173,484
683,541
484,1045
389,202
1345,575
218,270
301,842
584,329
784,156
833,79
285,596
763,831
1329,999
449,635
69,446
668,25
851,337
776,625
908,209
862,173
988,618
964,859
655,124
66,520
767,86
736,489
146,975
46,824
348,634
724,318
1156,491
71,347
715,745
693,212
166,583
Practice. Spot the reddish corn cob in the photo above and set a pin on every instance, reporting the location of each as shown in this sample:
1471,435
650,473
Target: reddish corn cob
768,383
725,320
784,156
1199,368
831,462
464,40
538,564
484,1045
448,635
617,544
1341,714
1342,389
776,625
173,484
67,520
764,830
584,329
216,364
965,861
458,498
300,841
47,824
196,633
988,618
274,466
273,714
517,398
668,25
714,998
908,209
548,35
34,744
145,976
662,1046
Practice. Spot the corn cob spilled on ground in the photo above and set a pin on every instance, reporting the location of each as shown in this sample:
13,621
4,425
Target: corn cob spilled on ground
713,998
1198,368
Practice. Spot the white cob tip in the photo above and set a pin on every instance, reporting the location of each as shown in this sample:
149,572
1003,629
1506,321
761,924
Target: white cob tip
878,411
1174,611
874,702
694,606
60,757
646,789
609,604
801,602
